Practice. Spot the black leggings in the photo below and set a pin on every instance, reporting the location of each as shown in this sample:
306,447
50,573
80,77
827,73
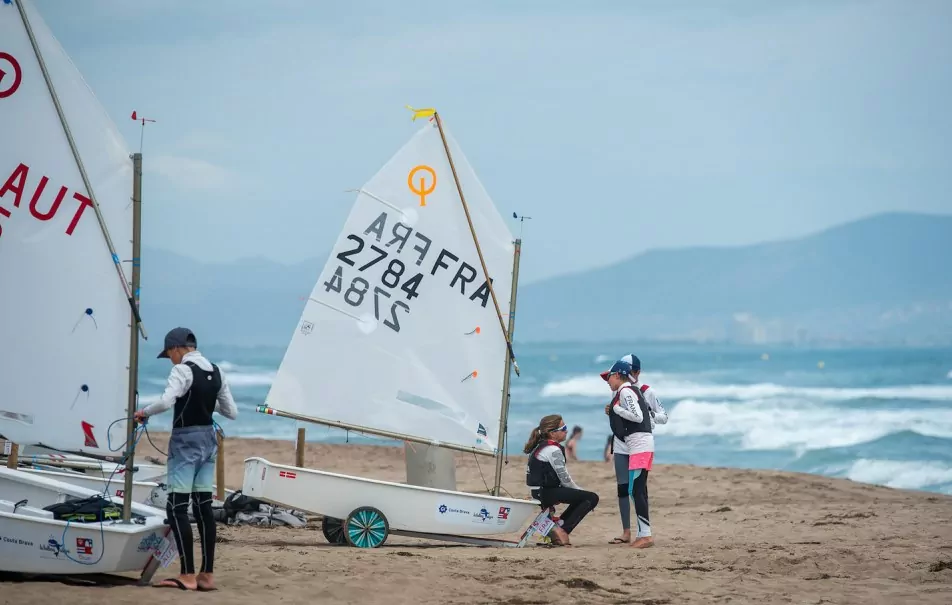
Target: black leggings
638,490
580,503
177,511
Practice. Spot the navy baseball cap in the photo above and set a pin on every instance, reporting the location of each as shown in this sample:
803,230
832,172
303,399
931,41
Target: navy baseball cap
631,361
177,337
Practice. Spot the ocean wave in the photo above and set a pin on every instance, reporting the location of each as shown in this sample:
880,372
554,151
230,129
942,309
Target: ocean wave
235,379
672,388
909,474
769,425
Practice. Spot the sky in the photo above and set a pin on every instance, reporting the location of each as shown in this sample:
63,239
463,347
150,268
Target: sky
617,126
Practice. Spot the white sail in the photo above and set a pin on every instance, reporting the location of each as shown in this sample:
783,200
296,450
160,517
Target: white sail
64,317
421,353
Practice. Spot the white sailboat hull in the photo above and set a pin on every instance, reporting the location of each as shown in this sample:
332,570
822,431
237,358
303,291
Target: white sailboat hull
31,541
150,493
91,466
407,508
142,491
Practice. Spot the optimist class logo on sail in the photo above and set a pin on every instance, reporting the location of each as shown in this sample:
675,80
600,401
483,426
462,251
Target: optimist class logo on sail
10,77
362,260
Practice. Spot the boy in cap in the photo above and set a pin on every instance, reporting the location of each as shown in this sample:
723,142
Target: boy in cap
196,389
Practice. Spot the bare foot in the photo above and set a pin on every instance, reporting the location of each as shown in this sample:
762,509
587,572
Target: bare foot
206,582
560,537
644,542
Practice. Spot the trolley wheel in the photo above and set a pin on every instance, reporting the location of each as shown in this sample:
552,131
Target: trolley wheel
366,527
333,530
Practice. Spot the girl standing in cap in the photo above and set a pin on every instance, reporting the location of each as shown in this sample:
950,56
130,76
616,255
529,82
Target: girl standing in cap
631,423
549,480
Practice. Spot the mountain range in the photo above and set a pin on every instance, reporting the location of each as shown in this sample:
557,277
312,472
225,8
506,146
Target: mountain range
884,279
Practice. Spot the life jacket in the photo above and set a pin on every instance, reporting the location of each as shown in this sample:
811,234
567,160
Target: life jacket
196,406
539,473
622,427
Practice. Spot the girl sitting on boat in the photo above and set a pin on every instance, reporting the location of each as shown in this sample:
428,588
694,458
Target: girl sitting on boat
549,480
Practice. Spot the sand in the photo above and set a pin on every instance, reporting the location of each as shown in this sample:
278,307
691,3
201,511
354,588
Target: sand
722,536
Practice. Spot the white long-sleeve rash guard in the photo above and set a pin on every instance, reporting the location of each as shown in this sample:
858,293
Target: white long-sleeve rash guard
627,407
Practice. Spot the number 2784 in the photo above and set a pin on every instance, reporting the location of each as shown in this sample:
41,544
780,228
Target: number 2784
354,295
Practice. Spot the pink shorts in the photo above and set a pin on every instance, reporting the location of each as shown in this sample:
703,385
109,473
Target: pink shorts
642,460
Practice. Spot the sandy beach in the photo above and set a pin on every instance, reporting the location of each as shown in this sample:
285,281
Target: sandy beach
722,536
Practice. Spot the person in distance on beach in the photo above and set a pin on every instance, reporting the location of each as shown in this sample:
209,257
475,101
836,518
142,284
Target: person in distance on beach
572,444
631,421
549,480
196,390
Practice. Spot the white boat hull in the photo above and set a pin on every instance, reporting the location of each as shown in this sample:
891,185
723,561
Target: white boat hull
142,491
406,507
46,457
31,541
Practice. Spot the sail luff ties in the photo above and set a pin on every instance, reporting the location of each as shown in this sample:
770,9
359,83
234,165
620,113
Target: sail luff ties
472,230
82,168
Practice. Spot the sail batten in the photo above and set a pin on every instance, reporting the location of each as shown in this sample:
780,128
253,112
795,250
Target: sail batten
400,333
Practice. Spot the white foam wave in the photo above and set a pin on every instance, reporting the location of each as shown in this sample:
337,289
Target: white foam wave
771,425
913,474
250,380
235,379
672,388
603,359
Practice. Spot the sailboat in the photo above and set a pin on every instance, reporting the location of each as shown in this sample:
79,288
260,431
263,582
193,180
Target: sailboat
68,315
404,337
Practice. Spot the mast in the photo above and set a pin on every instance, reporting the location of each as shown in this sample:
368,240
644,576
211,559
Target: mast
504,410
479,252
133,336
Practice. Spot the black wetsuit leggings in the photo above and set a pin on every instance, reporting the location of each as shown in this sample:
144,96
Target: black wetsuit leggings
177,511
580,503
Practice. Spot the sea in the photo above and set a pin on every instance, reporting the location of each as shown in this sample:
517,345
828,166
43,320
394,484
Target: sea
874,415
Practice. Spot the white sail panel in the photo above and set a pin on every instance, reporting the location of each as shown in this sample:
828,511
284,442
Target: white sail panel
400,332
64,317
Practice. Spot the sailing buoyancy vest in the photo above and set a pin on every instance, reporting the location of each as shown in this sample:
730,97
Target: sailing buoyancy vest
622,427
539,473
196,406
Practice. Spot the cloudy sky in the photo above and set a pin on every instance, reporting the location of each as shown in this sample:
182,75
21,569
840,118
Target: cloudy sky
618,126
